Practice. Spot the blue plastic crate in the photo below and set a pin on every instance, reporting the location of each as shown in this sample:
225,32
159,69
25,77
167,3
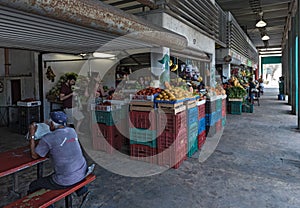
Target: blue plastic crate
170,102
211,119
143,136
201,125
192,115
218,115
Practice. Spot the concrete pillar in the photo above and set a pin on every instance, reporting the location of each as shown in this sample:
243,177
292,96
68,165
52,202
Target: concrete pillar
160,58
298,32
293,66
296,49
291,70
226,71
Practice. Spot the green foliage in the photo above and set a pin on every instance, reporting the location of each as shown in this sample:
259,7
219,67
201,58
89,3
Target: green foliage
236,92
55,90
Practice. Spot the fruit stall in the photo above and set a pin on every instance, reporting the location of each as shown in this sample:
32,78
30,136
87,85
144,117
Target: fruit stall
171,124
237,90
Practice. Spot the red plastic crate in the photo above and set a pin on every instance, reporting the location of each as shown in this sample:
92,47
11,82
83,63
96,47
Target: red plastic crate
177,165
143,153
223,112
166,139
106,138
172,156
142,120
108,131
171,123
123,127
201,139
224,105
219,125
201,111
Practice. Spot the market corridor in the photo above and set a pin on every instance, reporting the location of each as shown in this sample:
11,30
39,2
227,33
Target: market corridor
256,164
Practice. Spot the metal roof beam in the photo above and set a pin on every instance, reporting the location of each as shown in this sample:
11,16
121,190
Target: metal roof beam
100,16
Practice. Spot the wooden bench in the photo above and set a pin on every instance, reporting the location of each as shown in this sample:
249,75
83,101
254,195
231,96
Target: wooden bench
45,197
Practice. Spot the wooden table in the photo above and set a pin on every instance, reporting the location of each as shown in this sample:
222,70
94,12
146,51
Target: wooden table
18,159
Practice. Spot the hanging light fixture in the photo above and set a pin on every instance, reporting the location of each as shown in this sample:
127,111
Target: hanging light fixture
261,23
265,37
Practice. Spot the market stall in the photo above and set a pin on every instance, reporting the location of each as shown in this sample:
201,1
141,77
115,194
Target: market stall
160,123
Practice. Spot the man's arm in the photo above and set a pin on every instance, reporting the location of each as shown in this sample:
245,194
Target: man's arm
34,155
63,96
32,129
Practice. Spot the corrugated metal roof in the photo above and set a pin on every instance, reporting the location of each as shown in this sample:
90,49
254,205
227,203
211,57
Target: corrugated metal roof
28,31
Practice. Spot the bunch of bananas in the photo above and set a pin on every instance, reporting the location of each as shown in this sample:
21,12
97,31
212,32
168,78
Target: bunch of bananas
236,82
173,66
200,79
244,73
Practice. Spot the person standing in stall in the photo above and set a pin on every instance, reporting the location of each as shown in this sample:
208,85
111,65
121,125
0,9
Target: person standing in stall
69,102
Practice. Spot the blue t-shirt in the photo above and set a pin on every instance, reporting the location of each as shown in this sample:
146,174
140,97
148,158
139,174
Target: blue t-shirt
66,154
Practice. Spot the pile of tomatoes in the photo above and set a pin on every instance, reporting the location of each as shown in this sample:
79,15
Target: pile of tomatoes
148,91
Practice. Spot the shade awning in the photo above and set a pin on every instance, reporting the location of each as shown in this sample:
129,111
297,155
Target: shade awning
77,26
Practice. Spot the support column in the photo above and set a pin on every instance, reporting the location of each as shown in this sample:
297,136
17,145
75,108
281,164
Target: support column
292,67
296,45
226,71
298,32
160,58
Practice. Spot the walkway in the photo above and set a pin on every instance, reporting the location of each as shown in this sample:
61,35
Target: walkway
256,164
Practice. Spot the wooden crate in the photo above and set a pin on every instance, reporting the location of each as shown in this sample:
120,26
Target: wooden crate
141,106
190,104
172,108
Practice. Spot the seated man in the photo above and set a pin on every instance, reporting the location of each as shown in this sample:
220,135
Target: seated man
63,147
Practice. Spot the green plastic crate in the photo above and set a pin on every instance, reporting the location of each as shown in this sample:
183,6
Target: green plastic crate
143,136
192,131
224,121
236,107
247,108
192,147
218,104
108,117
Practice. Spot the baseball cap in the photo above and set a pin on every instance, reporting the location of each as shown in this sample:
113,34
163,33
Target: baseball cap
59,117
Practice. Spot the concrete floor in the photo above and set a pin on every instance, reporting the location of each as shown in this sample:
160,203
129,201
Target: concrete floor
256,164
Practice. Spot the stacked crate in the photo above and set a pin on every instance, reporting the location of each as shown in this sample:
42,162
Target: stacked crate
210,117
142,131
123,124
219,114
235,106
214,115
224,107
247,107
192,127
27,115
172,139
201,124
105,134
